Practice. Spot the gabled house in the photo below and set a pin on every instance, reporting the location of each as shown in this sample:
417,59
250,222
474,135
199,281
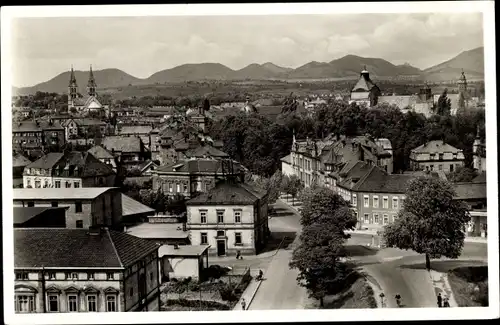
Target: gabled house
69,169
128,150
436,155
103,155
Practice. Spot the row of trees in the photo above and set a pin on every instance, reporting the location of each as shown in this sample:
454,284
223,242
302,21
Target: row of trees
430,223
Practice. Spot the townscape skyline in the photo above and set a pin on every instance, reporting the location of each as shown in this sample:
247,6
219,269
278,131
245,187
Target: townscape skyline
44,48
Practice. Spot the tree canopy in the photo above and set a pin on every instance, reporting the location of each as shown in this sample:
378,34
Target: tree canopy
431,222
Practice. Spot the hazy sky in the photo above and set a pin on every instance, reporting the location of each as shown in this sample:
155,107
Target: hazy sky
140,46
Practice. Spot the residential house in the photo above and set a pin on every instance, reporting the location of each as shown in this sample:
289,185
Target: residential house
376,196
188,177
19,161
286,166
33,137
88,206
69,169
141,131
128,150
40,217
82,270
104,156
147,168
474,194
320,161
85,128
436,155
231,217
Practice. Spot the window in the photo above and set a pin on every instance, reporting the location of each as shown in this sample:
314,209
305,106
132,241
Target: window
375,201
31,204
220,216
91,303
28,182
375,218
220,233
74,276
366,200
110,303
25,304
38,184
67,275
366,218
78,207
178,187
441,156
354,200
72,303
185,188
237,238
386,219
110,276
204,238
432,156
170,189
54,204
45,184
432,167
21,276
79,223
58,184
68,184
52,276
237,216
53,303
131,292
91,275
76,184
394,217
440,167
451,167
395,203
203,216
385,202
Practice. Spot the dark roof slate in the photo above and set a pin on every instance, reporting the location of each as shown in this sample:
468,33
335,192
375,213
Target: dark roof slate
227,194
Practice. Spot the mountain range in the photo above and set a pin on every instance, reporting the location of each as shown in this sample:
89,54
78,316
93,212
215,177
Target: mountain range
347,67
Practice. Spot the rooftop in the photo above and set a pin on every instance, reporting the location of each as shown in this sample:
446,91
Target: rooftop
23,214
182,250
122,143
81,193
18,160
377,180
435,146
226,193
205,151
206,165
77,248
100,153
470,191
132,207
158,230
136,129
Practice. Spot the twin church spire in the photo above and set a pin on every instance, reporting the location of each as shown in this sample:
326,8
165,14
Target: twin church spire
73,86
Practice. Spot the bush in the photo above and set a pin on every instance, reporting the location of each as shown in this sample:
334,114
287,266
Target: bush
227,294
196,303
481,296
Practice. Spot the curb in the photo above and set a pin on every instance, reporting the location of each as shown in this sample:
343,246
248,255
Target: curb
253,294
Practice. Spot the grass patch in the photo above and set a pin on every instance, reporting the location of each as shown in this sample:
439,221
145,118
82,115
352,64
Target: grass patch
469,286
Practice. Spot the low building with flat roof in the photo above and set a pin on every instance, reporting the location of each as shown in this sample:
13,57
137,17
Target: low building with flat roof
183,261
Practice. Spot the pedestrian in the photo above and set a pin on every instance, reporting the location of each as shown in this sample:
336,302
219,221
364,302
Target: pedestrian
446,303
243,304
238,255
440,300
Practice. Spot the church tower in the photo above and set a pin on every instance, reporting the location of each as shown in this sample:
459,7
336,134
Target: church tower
91,85
463,96
72,89
462,83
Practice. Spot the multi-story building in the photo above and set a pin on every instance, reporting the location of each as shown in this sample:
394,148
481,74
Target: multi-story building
436,156
37,136
19,162
321,161
78,128
376,197
81,270
230,217
69,169
90,206
189,177
141,131
365,91
127,149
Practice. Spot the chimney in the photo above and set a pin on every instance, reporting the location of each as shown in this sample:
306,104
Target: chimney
184,227
176,246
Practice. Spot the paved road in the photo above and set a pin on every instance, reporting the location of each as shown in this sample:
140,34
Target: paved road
280,290
403,272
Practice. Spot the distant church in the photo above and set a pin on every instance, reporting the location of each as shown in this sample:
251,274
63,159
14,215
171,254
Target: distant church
87,103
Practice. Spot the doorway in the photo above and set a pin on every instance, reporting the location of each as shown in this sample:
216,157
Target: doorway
221,247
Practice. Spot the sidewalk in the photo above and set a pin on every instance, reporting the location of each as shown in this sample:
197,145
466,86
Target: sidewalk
248,294
441,285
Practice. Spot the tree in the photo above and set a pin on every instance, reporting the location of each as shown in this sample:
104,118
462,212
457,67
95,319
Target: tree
462,175
318,257
431,221
294,185
444,103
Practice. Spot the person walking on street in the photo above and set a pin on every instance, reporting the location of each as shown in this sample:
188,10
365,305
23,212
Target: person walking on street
446,303
398,299
243,304
440,300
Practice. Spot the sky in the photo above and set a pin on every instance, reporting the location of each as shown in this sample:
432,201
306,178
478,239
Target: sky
44,47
